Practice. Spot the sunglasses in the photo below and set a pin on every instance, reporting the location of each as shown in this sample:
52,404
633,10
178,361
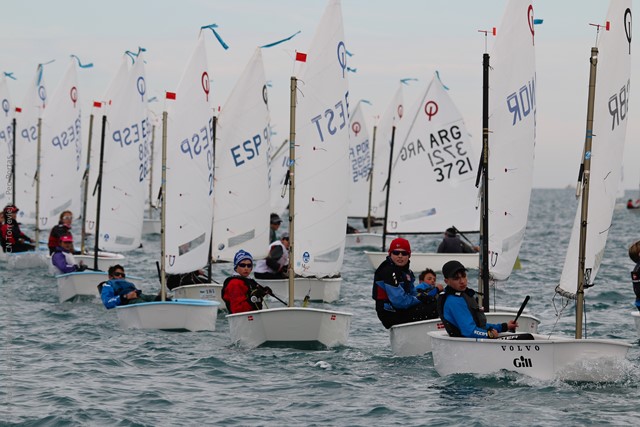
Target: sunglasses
245,265
459,276
403,253
119,274
67,217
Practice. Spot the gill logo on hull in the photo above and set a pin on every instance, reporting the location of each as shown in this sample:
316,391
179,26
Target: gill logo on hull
522,362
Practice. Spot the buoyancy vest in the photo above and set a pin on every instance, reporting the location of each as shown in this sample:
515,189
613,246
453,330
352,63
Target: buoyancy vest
635,275
469,297
251,285
393,275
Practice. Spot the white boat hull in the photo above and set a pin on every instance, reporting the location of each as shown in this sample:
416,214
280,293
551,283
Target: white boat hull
291,326
412,339
364,240
545,357
85,283
636,318
105,259
151,226
423,260
175,315
319,289
205,291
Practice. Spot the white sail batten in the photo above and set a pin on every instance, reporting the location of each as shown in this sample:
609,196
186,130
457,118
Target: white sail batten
189,169
6,141
61,160
26,148
391,117
242,202
512,104
126,157
322,151
360,159
433,151
609,132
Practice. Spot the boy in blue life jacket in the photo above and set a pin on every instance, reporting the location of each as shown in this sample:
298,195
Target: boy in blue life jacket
118,291
428,284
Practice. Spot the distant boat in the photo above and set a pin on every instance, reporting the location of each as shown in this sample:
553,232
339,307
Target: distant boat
433,150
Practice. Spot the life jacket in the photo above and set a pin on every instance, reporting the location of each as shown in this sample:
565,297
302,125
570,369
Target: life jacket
251,299
57,231
635,275
472,304
397,276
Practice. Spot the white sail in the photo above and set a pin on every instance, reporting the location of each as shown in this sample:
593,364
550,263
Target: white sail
6,142
126,156
512,123
391,117
609,132
119,81
278,168
241,206
360,158
322,152
433,152
26,147
188,194
61,162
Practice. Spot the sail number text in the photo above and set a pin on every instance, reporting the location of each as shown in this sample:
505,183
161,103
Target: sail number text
445,151
250,148
201,143
70,134
332,119
360,156
619,105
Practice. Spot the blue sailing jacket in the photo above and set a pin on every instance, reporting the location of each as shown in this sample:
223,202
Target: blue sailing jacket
113,289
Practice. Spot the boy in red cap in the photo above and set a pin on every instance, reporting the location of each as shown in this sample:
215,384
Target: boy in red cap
394,292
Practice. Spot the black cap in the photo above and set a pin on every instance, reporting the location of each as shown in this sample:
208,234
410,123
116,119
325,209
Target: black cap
451,268
451,232
275,219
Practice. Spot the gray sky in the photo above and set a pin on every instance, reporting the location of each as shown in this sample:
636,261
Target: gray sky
390,40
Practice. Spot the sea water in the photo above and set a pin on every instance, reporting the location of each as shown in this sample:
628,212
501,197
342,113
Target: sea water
70,364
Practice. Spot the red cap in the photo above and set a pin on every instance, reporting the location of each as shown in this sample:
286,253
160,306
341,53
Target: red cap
400,243
11,208
66,238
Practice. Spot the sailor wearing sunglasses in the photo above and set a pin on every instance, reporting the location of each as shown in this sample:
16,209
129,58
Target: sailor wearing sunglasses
394,292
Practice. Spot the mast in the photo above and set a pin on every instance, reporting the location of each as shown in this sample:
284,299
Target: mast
163,210
386,202
583,275
99,184
373,151
483,282
13,161
292,183
85,178
37,179
210,261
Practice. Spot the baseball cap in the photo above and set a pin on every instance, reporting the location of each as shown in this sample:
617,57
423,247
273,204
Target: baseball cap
275,218
450,268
